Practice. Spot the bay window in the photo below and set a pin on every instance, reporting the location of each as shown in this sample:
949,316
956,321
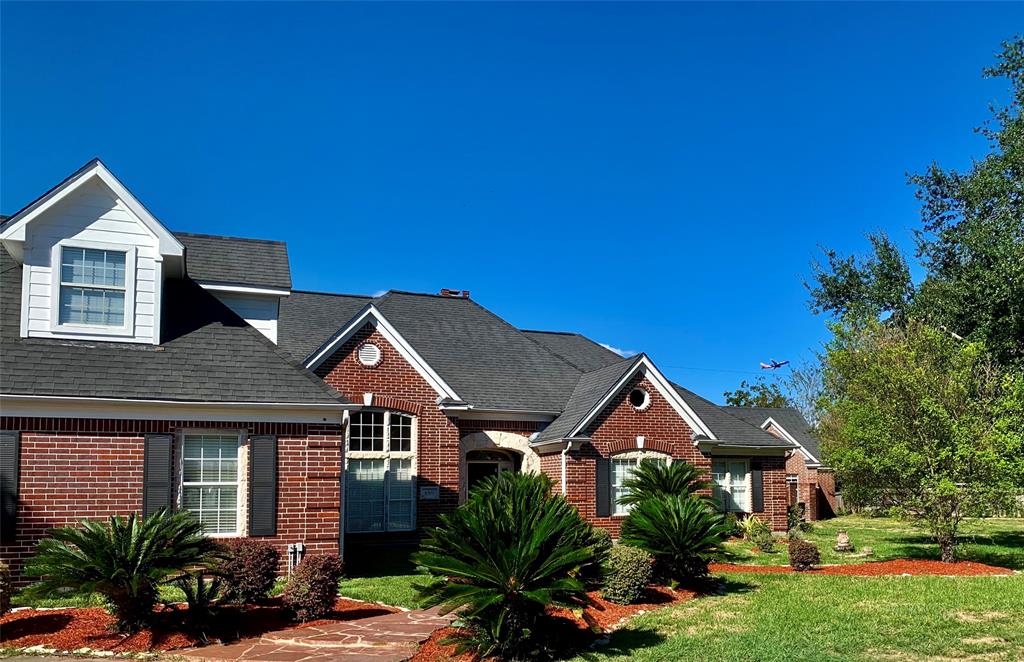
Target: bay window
380,478
730,485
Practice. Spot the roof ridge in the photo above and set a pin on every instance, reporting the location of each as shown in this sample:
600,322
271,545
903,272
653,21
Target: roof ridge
557,333
426,294
203,235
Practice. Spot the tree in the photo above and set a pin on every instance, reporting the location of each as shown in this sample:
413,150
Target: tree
970,243
915,418
758,394
804,389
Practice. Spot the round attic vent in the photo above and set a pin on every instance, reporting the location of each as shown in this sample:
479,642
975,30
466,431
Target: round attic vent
368,354
639,399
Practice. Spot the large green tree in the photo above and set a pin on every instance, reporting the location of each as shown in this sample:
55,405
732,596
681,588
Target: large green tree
970,242
758,394
916,419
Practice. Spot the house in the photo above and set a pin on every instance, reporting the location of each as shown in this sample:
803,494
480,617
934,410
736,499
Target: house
142,368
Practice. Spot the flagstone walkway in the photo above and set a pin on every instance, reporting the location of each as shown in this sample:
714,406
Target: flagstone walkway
387,638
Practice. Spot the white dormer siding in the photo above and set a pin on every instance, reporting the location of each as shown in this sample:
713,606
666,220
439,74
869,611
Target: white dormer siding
91,217
259,310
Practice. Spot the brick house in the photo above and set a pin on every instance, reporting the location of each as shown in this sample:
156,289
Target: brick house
143,368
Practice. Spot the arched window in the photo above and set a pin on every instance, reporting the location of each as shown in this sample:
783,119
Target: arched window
381,472
622,467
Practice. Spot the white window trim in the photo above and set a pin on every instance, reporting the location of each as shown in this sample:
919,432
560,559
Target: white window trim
240,520
387,455
126,329
637,456
728,482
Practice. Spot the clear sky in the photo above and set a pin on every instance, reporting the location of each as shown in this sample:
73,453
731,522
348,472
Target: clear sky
655,176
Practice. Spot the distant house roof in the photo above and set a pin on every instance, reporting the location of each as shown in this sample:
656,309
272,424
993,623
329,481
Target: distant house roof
208,354
234,260
789,419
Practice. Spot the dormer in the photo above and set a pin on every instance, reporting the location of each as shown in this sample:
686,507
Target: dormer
249,276
94,261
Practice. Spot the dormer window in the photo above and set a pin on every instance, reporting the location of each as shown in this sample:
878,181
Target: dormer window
92,286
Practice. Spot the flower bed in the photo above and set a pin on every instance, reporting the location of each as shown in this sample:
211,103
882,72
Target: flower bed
72,629
575,631
879,568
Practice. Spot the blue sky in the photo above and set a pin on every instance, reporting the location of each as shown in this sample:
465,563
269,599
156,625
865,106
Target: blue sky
656,176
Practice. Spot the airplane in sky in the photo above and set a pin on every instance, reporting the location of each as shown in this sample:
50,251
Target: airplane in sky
773,364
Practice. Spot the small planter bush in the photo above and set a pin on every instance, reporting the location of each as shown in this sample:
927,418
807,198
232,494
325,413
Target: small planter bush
752,526
765,541
125,560
249,571
683,534
627,574
6,588
803,555
503,557
313,587
592,575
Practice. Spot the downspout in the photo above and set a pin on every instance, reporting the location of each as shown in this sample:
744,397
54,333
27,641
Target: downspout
565,452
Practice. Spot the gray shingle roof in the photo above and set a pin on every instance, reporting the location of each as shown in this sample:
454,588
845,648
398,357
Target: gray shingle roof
208,354
788,417
578,350
488,362
254,262
307,319
590,389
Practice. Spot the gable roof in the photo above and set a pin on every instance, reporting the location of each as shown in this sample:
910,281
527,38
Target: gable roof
13,228
789,419
306,319
234,260
590,389
208,355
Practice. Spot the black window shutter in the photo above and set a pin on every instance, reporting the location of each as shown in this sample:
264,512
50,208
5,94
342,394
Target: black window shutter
9,451
604,487
262,485
756,488
157,473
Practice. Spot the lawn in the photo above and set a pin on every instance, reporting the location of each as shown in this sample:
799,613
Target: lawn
814,617
993,541
382,574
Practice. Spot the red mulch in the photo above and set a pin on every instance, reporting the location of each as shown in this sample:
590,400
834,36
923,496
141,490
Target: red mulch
879,568
70,629
574,631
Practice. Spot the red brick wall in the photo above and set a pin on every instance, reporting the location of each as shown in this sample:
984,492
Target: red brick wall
72,469
827,502
437,443
807,483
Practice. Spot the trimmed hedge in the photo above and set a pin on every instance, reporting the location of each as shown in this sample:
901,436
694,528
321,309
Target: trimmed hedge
803,555
313,588
250,570
627,574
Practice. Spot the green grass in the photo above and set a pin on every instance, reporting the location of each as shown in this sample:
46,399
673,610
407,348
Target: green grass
379,573
801,617
168,593
993,541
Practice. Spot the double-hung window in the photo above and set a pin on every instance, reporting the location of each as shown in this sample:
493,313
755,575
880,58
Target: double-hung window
380,493
622,468
93,287
731,484
209,480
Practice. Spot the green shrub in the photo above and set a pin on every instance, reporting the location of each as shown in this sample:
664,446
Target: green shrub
751,526
765,541
200,596
124,560
681,532
6,588
592,574
312,589
655,479
803,555
733,524
627,574
249,571
512,550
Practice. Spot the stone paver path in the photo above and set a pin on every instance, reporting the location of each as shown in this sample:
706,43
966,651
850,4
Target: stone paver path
387,638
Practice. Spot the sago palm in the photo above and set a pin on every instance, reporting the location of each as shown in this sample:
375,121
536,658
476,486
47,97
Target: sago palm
682,533
656,479
124,559
509,552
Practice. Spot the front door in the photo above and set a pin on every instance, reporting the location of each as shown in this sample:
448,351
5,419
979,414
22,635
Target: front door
483,464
